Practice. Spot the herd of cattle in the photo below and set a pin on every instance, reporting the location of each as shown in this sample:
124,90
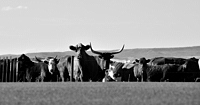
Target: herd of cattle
101,68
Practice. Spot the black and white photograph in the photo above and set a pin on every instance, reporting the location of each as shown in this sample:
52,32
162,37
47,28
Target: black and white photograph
100,52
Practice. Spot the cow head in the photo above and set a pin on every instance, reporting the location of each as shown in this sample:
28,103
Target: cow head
191,65
24,61
80,50
143,61
106,55
108,78
115,71
51,62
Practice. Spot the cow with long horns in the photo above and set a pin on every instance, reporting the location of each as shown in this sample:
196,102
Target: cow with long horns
86,67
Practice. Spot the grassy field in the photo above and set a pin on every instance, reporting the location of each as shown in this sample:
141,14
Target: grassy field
99,93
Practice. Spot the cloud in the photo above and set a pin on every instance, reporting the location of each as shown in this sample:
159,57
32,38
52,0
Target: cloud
22,7
9,8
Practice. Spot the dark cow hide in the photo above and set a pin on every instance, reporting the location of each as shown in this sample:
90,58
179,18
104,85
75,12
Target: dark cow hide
88,67
171,72
31,71
167,60
92,69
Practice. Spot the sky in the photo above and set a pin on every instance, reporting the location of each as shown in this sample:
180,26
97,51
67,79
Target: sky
53,25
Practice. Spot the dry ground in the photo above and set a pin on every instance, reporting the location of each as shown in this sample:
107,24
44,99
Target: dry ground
99,93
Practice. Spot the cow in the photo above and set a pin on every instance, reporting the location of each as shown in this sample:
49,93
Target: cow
191,72
169,72
147,72
122,72
52,67
86,67
30,71
108,77
192,65
64,67
115,71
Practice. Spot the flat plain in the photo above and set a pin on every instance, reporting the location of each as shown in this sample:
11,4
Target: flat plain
96,93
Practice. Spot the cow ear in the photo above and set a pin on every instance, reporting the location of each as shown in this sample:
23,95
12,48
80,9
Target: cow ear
100,56
57,61
148,60
73,48
46,62
87,47
37,59
136,60
111,56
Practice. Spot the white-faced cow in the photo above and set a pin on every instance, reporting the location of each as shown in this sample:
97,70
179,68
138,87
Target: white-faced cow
86,67
122,72
52,67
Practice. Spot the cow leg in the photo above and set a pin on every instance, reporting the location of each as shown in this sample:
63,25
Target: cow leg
163,78
81,79
139,79
197,79
132,78
125,76
62,76
84,78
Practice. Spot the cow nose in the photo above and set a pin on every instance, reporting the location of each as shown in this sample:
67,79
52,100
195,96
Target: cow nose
79,56
50,67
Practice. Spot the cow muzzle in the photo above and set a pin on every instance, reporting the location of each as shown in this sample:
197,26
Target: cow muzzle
79,57
51,68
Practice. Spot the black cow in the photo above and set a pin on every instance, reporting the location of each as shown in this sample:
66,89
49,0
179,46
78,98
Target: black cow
171,72
86,67
31,71
191,71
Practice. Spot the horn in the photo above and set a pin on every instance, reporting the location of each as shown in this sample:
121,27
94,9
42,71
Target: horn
96,52
116,52
38,59
55,57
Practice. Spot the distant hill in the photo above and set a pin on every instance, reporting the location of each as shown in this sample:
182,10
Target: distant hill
161,52
130,53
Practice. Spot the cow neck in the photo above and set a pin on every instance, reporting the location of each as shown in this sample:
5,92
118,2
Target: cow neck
144,66
31,63
86,55
107,63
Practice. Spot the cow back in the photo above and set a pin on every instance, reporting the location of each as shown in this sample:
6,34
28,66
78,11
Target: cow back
38,72
167,60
